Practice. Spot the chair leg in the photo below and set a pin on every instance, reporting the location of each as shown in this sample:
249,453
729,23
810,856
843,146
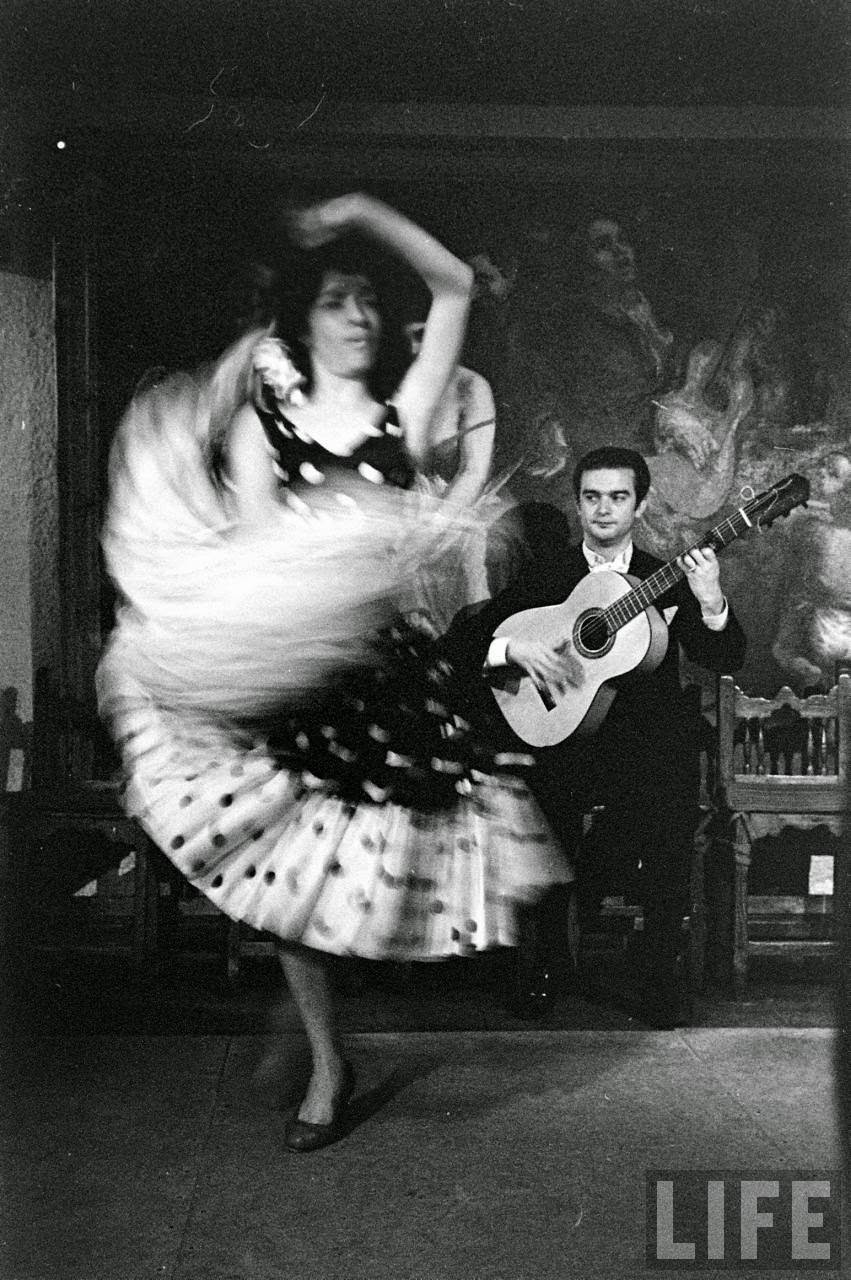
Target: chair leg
233,951
140,911
742,854
145,947
697,924
152,913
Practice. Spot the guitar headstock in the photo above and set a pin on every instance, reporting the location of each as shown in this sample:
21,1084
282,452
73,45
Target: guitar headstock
783,497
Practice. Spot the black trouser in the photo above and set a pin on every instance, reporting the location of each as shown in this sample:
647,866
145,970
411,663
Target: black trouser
640,844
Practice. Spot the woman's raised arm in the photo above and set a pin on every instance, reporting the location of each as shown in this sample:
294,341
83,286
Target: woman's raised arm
448,279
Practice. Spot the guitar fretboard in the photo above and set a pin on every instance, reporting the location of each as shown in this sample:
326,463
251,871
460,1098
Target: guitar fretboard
617,615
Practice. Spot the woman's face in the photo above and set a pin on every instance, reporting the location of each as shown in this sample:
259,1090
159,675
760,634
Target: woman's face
344,325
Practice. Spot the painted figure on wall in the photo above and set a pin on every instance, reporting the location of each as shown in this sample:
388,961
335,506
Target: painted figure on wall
814,631
694,461
577,352
767,350
615,353
513,338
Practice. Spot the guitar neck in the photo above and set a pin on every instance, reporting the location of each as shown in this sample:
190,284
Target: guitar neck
617,615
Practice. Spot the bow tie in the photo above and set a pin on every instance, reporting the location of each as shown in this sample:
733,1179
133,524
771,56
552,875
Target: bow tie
597,564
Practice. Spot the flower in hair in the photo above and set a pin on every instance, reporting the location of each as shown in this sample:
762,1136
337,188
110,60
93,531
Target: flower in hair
271,359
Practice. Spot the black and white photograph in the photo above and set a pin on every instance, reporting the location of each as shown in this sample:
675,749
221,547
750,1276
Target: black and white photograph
425,639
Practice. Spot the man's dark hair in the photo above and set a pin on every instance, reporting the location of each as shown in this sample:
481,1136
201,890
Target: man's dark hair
610,456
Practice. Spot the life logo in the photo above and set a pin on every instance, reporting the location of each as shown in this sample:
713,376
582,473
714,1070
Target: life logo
774,1220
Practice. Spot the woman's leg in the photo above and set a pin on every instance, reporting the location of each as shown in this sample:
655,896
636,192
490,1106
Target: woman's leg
307,977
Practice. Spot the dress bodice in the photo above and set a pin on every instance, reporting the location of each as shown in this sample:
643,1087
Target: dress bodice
304,466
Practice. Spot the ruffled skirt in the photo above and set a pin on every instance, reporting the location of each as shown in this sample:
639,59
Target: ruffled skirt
284,851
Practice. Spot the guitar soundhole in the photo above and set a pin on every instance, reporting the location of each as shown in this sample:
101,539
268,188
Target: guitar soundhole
591,636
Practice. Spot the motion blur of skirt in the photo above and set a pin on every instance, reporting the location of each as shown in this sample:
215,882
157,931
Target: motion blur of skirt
283,851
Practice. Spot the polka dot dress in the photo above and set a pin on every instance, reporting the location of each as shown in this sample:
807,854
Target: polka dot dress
369,822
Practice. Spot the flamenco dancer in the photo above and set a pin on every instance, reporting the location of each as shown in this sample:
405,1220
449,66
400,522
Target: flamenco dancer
287,739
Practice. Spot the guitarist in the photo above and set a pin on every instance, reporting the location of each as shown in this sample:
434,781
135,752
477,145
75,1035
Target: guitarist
643,761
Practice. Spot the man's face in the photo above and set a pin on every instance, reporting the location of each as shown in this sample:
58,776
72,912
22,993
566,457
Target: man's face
607,507
609,251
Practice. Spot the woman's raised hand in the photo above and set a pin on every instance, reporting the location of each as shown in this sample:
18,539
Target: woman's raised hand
318,224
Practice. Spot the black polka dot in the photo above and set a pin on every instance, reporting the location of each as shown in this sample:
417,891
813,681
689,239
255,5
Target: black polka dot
335,868
184,801
470,926
217,882
436,907
258,835
178,842
250,872
318,827
269,877
219,840
226,800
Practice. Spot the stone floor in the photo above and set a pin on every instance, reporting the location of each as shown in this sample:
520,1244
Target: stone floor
143,1122
492,1155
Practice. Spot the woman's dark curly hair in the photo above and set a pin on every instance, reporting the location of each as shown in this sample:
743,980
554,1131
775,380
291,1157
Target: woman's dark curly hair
300,284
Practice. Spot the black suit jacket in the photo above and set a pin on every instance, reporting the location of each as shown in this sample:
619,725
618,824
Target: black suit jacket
650,735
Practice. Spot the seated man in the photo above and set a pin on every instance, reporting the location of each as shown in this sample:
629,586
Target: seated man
642,762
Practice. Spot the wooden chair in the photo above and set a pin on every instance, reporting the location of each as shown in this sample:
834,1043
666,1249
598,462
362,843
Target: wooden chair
782,762
69,825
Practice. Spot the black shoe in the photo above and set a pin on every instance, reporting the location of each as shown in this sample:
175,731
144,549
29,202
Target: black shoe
301,1135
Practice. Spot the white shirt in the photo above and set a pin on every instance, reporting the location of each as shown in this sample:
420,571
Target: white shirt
496,655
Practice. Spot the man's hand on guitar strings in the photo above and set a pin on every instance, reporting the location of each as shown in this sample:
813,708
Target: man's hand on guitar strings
547,665
703,575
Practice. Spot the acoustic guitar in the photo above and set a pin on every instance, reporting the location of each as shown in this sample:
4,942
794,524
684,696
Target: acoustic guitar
609,623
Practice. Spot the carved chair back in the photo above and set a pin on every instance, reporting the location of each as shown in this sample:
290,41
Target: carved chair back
786,754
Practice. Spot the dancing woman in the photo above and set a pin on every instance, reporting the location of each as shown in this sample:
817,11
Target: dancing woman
290,745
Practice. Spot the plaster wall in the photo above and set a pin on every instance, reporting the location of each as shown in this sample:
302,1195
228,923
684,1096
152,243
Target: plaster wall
29,588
